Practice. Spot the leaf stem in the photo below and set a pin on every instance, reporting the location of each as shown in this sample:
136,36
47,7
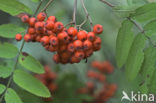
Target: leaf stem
87,14
74,13
16,62
107,3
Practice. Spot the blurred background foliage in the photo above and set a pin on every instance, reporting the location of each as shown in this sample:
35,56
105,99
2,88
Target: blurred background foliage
76,73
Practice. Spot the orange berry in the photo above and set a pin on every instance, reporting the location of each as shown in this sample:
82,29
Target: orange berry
27,37
52,18
79,54
82,35
18,37
31,30
72,32
41,16
58,27
54,41
78,45
87,45
98,29
91,36
49,25
56,58
25,18
45,40
32,21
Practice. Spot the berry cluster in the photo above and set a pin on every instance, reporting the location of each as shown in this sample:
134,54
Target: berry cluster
106,90
48,79
71,45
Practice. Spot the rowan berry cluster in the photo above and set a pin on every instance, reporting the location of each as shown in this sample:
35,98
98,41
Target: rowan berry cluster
71,45
106,90
48,79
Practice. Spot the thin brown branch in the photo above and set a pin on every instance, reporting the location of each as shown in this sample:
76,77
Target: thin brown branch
87,14
47,5
74,13
107,3
38,7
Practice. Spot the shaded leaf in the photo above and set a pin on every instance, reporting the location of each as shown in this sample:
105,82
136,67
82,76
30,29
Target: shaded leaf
153,83
13,7
145,13
31,63
2,88
30,84
8,50
135,57
150,28
10,30
123,43
5,71
12,97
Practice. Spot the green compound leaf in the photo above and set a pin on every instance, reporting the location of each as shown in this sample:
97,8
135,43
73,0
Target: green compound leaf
150,28
30,84
10,30
35,1
8,50
5,71
2,88
30,63
153,83
135,57
123,43
13,7
145,13
12,97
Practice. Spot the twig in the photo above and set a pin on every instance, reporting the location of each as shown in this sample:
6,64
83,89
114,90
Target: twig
74,13
82,23
69,24
141,30
15,66
87,14
47,5
107,3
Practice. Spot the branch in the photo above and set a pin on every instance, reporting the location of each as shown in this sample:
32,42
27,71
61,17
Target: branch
141,30
87,14
107,3
47,5
74,13
16,62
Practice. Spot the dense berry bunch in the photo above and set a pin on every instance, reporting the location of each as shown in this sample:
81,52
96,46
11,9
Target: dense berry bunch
106,90
71,45
48,79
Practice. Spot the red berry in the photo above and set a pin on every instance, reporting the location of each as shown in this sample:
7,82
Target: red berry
41,16
56,58
87,45
39,26
82,35
52,18
74,59
97,42
54,41
72,32
78,45
88,53
25,18
49,25
71,47
32,21
31,30
27,37
91,36
18,37
58,27
63,36
79,54
45,40
98,29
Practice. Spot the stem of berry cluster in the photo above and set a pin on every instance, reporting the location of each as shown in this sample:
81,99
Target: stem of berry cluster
87,14
20,51
74,13
47,5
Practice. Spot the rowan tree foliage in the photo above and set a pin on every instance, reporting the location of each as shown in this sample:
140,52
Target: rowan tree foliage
75,43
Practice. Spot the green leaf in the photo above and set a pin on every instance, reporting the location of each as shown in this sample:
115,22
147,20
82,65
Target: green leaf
10,30
13,7
5,71
30,84
123,43
145,13
150,28
8,50
12,97
2,88
148,66
135,57
153,83
31,63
